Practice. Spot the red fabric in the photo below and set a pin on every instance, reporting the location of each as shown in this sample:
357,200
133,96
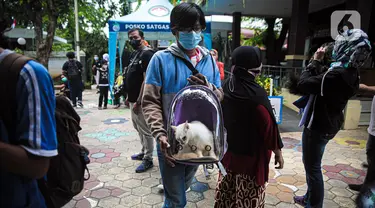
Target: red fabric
256,165
220,65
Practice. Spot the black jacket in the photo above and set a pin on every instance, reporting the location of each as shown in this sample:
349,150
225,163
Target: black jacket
333,89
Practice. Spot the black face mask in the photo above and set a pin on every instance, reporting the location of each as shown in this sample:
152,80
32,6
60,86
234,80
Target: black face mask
135,44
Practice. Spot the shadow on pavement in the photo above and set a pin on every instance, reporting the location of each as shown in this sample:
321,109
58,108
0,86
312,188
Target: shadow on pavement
290,121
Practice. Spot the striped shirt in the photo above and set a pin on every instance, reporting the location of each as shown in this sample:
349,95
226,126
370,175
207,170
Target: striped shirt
35,132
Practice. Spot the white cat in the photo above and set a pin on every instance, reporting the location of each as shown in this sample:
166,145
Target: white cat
195,138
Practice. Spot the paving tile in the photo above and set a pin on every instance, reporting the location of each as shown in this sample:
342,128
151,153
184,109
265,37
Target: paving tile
131,200
113,184
100,193
141,176
344,202
286,179
341,192
115,170
123,176
91,185
103,160
109,202
191,205
349,174
271,199
285,205
141,191
105,178
284,189
330,168
132,183
107,150
330,204
150,182
329,195
152,199
83,203
118,192
205,203
337,183
98,155
285,197
272,190
113,154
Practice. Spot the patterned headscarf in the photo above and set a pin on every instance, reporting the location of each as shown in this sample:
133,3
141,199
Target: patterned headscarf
352,48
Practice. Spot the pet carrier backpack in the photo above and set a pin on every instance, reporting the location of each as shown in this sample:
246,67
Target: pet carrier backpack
195,127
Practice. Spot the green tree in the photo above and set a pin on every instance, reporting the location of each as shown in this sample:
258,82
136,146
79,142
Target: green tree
41,15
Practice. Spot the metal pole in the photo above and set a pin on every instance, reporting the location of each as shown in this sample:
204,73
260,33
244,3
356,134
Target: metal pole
77,29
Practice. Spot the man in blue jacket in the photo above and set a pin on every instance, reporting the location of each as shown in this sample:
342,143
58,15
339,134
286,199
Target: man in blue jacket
168,73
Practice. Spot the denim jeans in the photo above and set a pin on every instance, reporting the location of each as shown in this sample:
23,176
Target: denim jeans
176,180
313,146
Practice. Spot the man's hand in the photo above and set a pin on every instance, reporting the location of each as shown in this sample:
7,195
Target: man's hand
363,87
279,159
164,145
198,79
319,54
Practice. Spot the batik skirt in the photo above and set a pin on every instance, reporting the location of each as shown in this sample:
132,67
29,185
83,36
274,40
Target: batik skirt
239,191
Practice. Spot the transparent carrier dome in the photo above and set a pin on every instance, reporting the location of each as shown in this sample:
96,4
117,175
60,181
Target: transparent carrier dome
195,130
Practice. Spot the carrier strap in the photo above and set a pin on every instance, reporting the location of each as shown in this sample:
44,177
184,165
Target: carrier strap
222,169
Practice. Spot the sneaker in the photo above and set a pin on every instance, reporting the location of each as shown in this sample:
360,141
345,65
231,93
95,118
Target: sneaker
117,106
105,107
210,168
144,166
138,156
355,187
99,108
80,104
161,188
300,200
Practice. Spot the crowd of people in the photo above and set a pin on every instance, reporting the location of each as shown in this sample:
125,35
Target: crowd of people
151,81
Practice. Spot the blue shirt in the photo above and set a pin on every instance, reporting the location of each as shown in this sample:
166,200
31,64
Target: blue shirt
36,131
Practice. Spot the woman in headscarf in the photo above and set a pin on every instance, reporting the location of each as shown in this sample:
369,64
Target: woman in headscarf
252,134
328,93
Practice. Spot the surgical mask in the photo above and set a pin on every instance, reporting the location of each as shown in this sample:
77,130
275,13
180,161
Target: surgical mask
189,40
135,44
96,58
64,79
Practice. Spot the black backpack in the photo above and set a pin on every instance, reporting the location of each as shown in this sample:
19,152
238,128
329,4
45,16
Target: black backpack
66,175
73,71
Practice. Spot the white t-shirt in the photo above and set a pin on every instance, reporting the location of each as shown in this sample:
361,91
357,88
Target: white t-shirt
371,127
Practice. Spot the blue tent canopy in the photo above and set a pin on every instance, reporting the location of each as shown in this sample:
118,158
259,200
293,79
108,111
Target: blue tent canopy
153,19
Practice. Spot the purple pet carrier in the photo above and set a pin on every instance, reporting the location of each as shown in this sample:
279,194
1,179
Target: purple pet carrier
197,103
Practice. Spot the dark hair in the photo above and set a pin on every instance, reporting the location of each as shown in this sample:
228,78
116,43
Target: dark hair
70,55
139,31
186,15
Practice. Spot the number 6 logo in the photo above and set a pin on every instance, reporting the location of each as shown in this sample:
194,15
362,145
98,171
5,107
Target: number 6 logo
344,20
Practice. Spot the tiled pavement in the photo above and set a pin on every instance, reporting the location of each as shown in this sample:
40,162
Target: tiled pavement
110,136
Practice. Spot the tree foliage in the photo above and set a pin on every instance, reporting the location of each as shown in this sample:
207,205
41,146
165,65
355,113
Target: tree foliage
41,15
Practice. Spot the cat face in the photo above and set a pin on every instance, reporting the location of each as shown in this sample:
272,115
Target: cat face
180,133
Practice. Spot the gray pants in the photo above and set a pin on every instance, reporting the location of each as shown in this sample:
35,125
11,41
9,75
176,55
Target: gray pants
144,133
